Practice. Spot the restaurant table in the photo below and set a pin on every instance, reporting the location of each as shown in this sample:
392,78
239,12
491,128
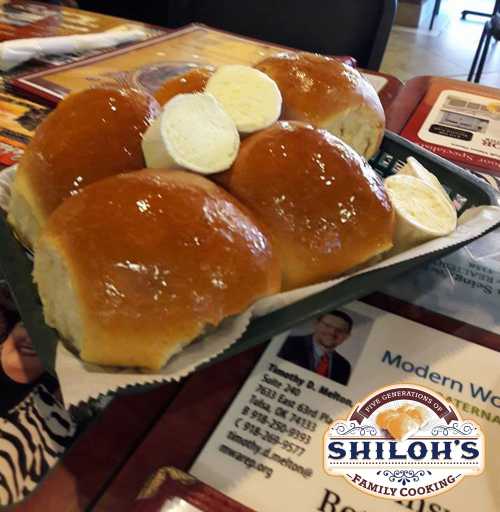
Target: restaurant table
138,433
183,429
168,426
21,18
100,454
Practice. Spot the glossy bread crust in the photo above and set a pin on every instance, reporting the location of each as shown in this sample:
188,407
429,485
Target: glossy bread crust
329,94
91,135
153,258
191,81
325,207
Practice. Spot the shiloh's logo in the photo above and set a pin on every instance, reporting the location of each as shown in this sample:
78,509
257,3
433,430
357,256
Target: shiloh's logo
404,442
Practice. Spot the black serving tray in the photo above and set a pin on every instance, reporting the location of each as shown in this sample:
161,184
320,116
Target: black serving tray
463,187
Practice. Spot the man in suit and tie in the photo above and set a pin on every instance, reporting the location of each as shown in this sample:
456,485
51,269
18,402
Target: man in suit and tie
316,352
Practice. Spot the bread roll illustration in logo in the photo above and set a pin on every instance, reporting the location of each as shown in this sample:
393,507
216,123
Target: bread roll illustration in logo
402,422
399,427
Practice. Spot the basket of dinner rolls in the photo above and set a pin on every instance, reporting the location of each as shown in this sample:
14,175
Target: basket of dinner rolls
160,226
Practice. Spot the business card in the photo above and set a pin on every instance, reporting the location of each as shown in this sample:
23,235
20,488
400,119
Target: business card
267,452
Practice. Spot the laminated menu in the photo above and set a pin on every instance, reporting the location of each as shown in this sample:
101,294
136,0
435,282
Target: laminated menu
267,450
459,121
18,120
30,21
148,64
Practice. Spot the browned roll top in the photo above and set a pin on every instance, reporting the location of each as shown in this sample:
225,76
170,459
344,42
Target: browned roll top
329,94
152,258
191,81
90,135
325,207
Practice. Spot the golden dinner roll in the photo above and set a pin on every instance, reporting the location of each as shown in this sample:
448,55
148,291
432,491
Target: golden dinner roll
329,94
90,135
191,81
138,265
417,413
403,421
384,417
325,207
401,426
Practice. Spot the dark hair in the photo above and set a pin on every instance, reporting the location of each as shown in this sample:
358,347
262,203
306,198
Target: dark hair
339,314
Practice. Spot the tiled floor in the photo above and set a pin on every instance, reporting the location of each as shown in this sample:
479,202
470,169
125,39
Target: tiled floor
447,51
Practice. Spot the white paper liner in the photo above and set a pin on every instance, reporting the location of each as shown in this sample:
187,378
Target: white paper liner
6,179
80,381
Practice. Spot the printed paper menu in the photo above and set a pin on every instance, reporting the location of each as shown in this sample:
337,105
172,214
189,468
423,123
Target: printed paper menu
460,122
266,451
18,120
148,64
464,285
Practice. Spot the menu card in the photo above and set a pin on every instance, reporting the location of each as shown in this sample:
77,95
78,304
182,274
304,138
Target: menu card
267,450
148,64
459,121
18,121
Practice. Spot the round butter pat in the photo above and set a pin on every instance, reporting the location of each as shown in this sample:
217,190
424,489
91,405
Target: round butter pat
193,131
422,213
249,96
414,168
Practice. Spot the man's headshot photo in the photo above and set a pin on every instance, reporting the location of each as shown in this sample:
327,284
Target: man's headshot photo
317,351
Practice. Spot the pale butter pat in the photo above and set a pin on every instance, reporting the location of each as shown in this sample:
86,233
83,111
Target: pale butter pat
250,97
414,168
422,213
193,131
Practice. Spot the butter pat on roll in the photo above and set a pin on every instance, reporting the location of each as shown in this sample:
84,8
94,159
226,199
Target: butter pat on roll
248,95
193,131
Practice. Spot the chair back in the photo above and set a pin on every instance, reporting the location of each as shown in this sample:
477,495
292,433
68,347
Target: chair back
359,28
495,26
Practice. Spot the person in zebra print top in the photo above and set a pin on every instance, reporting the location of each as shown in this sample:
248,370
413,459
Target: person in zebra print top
35,429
